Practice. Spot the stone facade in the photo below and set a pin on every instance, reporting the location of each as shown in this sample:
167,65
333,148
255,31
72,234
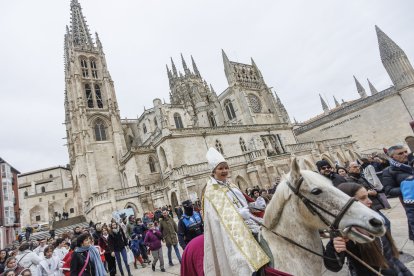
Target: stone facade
159,158
376,121
44,194
9,204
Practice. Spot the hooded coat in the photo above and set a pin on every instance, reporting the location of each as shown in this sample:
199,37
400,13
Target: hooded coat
169,229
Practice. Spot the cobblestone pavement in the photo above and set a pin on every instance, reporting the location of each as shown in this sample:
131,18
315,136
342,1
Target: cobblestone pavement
399,230
398,226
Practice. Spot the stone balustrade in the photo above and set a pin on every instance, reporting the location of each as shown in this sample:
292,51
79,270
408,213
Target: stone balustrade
300,147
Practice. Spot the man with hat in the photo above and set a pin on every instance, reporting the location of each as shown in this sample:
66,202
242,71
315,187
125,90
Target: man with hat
325,169
229,246
190,224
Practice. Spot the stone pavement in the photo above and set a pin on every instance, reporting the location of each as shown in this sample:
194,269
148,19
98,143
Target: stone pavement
399,230
398,227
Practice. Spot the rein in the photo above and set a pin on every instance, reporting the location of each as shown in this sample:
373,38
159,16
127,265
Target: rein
315,209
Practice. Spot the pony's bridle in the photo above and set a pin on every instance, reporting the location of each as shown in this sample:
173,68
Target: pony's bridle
315,209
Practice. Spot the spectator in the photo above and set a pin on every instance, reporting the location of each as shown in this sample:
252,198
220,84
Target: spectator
136,250
29,231
86,259
41,247
117,242
60,249
325,169
27,258
109,259
153,241
12,264
398,171
341,171
178,211
140,230
3,258
50,265
169,230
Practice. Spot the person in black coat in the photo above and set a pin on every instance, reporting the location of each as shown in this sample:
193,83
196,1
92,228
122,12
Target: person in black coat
325,169
78,258
398,171
117,242
381,254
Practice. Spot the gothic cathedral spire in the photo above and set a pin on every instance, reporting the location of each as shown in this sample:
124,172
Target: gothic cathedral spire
395,61
360,88
372,88
324,105
79,28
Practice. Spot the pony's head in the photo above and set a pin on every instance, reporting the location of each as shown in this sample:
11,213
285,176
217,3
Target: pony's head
357,222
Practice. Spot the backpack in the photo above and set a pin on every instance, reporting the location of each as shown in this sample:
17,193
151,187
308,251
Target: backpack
407,190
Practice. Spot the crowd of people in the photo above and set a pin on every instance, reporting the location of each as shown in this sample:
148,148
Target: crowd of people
105,248
116,246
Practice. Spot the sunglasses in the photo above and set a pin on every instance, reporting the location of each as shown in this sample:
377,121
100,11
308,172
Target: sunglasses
326,167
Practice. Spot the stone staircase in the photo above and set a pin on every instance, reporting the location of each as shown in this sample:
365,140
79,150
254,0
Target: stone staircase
60,228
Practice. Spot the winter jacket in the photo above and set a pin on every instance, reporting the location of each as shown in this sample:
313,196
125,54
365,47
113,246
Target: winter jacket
117,241
336,179
77,263
29,259
134,245
169,230
104,244
153,239
392,178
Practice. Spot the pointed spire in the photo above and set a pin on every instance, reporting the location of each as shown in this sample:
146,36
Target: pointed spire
324,105
195,67
79,28
294,119
256,68
212,89
174,69
98,41
186,70
388,48
225,58
336,102
360,88
169,73
372,88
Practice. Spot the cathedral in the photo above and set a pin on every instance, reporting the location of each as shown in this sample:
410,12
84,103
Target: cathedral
158,159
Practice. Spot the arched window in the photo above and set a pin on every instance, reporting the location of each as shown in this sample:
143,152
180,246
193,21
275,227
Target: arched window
26,193
89,97
94,69
178,121
155,122
242,145
43,189
229,109
100,130
84,66
219,147
144,128
211,119
98,95
151,164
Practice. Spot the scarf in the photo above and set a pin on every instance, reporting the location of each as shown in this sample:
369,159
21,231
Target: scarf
95,258
404,167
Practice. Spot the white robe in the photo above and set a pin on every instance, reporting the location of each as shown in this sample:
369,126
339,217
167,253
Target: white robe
226,228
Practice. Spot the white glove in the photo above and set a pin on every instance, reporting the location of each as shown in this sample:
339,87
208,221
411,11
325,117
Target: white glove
244,212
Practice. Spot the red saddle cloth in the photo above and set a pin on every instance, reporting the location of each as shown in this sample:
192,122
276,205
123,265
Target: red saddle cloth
259,214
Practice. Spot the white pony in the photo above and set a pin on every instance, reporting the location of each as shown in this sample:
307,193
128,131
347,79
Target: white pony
288,216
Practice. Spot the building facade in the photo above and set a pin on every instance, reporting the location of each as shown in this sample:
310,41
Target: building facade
9,204
159,158
375,121
44,194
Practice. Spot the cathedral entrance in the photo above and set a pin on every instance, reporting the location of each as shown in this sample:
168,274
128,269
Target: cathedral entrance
174,200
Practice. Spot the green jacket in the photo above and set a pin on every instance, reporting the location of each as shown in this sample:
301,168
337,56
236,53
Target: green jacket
168,228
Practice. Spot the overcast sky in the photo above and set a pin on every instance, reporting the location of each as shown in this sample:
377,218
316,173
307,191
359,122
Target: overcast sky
301,47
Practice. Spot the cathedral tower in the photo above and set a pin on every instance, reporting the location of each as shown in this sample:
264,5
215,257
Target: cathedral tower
93,126
395,61
191,90
250,95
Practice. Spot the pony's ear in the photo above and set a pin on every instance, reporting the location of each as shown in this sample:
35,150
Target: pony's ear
294,169
305,164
